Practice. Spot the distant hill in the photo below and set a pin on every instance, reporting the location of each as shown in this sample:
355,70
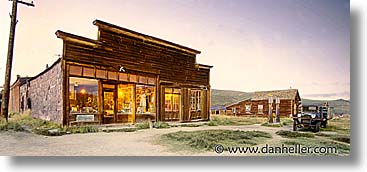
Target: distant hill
341,106
226,97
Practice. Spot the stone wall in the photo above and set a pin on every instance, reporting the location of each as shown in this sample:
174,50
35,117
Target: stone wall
46,94
24,95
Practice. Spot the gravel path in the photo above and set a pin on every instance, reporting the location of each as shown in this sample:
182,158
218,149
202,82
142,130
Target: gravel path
140,143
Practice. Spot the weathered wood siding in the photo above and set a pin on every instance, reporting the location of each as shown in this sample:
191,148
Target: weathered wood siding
286,107
136,55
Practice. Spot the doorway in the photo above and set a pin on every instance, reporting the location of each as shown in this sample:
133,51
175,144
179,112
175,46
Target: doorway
109,105
172,101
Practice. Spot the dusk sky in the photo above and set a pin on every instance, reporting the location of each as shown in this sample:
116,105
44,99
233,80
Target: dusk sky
253,45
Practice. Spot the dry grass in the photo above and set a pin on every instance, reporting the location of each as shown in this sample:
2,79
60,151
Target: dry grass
206,140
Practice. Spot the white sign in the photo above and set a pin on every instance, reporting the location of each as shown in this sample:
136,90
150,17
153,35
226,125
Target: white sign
122,69
85,118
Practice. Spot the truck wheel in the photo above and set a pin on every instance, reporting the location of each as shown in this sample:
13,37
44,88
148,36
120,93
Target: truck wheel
317,127
294,125
323,124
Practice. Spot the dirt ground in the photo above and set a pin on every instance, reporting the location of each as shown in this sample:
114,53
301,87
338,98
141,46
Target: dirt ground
140,143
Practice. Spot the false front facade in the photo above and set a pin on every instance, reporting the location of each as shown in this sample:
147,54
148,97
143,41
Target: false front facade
122,77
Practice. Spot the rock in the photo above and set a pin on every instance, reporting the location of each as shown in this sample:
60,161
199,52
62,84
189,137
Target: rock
54,132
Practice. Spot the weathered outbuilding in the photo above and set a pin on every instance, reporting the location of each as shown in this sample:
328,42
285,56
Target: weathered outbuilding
285,102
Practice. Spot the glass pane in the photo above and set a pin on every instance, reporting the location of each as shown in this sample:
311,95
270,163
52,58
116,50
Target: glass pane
89,72
145,99
168,90
123,77
175,103
75,70
108,103
101,74
195,100
168,102
177,91
109,86
125,97
172,102
112,75
83,97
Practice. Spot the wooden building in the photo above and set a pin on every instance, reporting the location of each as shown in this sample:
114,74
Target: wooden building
218,110
121,77
17,100
284,102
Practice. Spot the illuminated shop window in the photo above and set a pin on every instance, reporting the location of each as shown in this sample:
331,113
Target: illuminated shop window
145,99
172,99
125,98
83,98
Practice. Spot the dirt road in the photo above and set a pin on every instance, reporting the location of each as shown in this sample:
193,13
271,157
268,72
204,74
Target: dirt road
140,143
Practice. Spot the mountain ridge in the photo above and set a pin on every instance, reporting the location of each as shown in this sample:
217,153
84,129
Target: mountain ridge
226,97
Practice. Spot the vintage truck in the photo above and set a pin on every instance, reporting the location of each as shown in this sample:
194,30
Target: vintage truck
312,116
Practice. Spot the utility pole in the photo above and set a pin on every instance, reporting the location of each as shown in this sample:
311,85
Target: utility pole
9,60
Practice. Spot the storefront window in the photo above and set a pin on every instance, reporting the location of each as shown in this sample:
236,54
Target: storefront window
83,96
195,100
172,99
124,99
145,99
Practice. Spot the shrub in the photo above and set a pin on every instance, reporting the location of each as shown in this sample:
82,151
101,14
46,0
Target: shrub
213,123
144,125
82,129
161,125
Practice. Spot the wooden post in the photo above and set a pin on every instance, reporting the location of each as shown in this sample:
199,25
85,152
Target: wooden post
9,60
134,104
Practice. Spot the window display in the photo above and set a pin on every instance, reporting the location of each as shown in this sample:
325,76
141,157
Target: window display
83,96
172,97
145,99
124,98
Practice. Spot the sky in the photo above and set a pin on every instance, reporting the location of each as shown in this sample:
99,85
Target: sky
253,45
